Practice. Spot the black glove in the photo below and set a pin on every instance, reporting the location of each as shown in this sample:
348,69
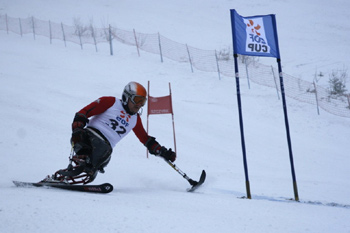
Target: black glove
167,154
78,125
153,146
155,149
79,121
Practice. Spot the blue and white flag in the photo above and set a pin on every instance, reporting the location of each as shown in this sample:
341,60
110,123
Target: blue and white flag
254,35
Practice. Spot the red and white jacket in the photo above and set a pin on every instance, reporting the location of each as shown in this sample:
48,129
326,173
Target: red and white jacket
111,119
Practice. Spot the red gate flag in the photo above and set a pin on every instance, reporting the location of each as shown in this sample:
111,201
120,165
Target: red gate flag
255,35
159,105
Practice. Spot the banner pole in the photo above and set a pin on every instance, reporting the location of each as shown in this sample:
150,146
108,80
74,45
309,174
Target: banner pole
241,128
296,196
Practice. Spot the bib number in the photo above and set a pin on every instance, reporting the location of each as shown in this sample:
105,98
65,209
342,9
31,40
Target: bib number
119,129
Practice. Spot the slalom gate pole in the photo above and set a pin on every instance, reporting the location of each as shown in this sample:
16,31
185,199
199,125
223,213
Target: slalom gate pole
241,128
296,196
147,113
172,116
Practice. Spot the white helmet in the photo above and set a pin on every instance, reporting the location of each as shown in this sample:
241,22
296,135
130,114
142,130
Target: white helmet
134,92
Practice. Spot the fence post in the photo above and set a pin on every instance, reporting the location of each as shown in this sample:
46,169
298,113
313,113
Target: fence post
274,79
137,44
50,32
79,34
316,96
217,64
64,36
7,24
94,36
189,57
20,26
110,40
33,27
160,48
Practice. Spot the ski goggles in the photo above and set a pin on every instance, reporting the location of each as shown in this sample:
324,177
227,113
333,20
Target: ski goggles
137,99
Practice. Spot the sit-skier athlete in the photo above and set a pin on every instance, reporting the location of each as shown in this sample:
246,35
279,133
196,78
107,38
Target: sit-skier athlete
99,126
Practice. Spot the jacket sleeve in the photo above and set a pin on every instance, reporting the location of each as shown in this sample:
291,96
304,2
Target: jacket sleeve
98,106
140,131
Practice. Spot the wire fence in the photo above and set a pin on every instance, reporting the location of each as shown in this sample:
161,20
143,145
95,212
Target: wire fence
204,60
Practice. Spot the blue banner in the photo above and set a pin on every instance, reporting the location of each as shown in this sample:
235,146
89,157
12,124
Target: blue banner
254,35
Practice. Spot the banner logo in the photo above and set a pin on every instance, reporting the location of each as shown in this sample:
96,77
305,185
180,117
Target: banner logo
256,37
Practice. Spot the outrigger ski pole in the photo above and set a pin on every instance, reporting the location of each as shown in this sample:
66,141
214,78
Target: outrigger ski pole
195,184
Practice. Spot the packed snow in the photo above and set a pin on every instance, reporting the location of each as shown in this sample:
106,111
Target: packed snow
43,85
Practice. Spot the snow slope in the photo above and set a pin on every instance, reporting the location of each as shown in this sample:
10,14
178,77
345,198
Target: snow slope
43,85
